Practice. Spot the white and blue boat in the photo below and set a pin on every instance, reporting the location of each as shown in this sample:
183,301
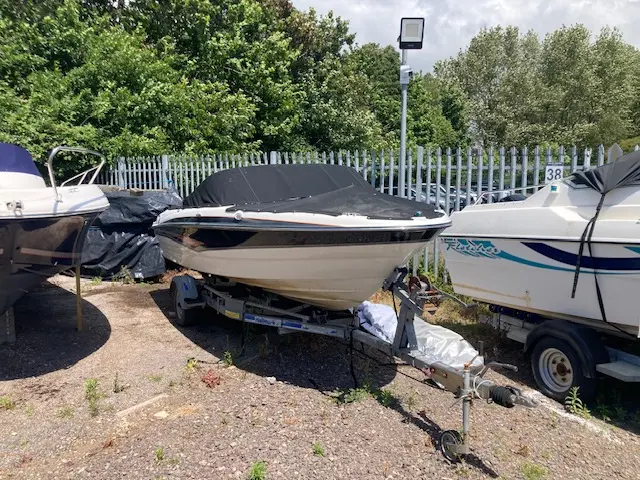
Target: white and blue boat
570,251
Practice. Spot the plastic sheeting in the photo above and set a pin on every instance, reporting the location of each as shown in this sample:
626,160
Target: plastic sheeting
435,342
624,171
122,237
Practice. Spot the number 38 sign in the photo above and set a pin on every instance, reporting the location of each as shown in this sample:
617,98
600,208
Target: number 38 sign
553,173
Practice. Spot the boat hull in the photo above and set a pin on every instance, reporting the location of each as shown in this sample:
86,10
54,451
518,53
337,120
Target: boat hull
34,249
537,276
335,277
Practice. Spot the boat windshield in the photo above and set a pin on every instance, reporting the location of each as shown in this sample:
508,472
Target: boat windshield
16,159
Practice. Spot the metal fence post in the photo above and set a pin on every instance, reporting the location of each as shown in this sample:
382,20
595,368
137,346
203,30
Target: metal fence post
122,166
165,171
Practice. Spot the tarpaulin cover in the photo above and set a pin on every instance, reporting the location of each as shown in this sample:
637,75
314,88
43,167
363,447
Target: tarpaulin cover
122,237
436,343
313,188
352,199
125,208
623,171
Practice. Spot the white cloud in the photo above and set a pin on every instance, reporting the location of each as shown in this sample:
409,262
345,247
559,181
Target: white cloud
450,24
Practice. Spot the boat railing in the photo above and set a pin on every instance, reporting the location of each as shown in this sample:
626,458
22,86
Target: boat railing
484,195
83,175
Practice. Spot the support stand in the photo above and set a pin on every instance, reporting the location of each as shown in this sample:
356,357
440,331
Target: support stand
7,327
78,301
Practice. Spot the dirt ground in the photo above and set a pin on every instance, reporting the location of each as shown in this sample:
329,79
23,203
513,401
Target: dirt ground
133,396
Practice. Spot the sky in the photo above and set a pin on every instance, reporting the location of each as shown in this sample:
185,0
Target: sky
450,24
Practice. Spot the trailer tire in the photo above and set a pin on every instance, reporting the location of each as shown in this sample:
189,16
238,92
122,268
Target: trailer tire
182,318
557,368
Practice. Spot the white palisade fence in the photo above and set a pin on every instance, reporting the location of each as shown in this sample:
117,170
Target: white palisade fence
464,173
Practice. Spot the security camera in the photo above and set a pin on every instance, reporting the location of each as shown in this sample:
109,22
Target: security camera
406,72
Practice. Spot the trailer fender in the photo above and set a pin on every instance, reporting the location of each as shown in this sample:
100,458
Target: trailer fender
186,288
585,341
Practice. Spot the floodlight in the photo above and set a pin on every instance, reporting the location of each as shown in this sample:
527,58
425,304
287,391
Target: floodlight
411,33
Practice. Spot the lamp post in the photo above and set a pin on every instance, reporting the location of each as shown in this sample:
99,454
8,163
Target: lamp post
411,34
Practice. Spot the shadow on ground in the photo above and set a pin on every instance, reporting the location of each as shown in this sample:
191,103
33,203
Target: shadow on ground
306,361
46,335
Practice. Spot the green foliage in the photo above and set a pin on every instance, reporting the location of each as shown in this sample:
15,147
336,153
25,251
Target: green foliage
258,471
198,76
564,89
204,76
574,404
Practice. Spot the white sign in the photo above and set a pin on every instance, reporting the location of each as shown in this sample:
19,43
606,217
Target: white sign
553,173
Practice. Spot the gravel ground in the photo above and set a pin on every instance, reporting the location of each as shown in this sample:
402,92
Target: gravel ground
274,404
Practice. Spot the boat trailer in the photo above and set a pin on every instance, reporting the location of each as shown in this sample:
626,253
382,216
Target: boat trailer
460,373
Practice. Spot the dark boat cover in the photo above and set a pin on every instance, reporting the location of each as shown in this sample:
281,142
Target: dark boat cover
607,177
121,236
14,158
313,188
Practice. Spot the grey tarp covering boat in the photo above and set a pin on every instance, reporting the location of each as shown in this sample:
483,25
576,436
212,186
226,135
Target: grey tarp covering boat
310,188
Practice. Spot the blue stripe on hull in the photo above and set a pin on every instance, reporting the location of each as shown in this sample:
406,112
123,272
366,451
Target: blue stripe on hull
602,265
597,263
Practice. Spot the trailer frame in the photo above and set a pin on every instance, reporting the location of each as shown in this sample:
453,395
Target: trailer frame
251,305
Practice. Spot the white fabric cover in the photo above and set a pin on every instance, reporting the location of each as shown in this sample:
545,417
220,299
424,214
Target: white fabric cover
435,342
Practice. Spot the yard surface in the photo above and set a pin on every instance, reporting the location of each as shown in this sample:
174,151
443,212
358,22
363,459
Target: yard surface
133,396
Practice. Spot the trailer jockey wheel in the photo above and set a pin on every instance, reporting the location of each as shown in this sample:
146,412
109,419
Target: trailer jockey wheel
449,439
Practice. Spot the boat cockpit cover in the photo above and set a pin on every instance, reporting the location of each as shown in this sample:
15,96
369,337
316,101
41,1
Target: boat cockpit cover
14,158
619,173
312,188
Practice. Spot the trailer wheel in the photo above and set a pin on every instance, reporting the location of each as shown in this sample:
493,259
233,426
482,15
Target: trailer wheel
449,439
557,368
183,318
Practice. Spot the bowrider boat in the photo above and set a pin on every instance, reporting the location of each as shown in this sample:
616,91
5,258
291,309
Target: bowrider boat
569,251
42,228
318,234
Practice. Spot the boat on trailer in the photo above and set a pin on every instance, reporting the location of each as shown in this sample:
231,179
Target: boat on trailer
559,269
300,248
42,228
318,234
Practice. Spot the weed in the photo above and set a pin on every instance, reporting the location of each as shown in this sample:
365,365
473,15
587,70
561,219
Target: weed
96,281
385,397
29,410
554,419
410,402
117,387
258,471
211,379
192,364
155,378
159,454
7,403
318,449
533,471
66,412
92,395
123,276
524,451
350,396
574,404
228,358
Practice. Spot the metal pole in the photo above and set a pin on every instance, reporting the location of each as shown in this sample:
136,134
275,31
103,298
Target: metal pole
403,132
78,300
